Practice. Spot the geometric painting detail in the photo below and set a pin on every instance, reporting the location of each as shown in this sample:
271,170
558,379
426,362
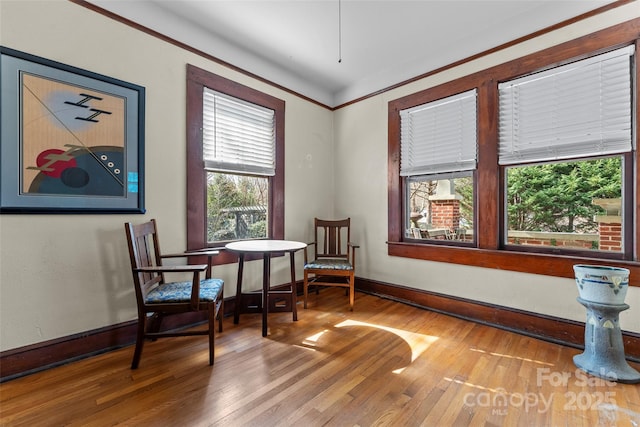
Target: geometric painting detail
73,140
96,171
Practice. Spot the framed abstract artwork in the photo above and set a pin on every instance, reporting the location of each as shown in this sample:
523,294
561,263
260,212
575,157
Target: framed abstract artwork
71,141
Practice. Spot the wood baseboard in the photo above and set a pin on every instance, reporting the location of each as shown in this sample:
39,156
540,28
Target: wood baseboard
37,357
48,354
548,328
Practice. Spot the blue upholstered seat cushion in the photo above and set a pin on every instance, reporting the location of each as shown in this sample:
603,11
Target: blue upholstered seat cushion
329,264
181,291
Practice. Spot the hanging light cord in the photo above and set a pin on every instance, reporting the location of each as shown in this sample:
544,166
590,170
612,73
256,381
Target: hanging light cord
339,31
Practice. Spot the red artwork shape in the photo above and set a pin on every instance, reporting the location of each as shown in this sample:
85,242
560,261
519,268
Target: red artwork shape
52,162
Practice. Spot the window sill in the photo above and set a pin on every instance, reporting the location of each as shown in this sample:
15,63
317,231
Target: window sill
524,262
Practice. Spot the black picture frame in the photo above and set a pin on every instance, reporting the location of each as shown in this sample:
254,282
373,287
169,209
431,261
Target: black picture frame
71,141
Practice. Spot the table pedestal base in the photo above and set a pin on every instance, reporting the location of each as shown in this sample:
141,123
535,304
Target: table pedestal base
603,348
270,300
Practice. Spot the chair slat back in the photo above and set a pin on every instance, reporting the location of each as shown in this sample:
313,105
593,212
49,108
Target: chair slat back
144,251
331,238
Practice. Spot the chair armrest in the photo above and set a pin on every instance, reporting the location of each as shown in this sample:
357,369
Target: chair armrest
172,269
195,252
208,252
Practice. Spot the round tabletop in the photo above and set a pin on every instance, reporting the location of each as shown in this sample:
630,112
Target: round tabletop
264,246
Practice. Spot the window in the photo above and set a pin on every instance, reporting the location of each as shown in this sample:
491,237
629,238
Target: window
437,160
235,167
566,206
572,187
440,207
238,140
580,111
237,207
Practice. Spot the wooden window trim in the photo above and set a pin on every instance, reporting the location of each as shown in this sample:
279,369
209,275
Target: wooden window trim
488,253
197,79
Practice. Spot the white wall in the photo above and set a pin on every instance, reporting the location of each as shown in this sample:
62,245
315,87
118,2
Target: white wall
361,155
65,274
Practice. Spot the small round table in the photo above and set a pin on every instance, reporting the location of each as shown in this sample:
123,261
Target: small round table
267,248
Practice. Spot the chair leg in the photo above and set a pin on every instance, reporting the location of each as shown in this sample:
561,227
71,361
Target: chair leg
220,313
305,288
212,329
155,322
139,342
352,292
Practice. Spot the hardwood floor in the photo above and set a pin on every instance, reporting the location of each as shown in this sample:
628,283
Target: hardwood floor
384,364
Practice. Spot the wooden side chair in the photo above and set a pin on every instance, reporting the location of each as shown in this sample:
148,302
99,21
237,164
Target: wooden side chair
335,257
157,298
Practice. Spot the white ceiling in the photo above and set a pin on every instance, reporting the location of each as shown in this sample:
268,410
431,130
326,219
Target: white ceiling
298,43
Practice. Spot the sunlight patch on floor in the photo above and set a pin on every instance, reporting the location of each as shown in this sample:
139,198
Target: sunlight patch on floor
498,390
508,356
417,342
312,341
612,413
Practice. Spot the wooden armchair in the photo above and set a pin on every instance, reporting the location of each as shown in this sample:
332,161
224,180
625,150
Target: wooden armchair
335,257
157,298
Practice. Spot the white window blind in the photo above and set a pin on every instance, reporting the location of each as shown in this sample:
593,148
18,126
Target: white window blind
581,109
237,136
439,136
